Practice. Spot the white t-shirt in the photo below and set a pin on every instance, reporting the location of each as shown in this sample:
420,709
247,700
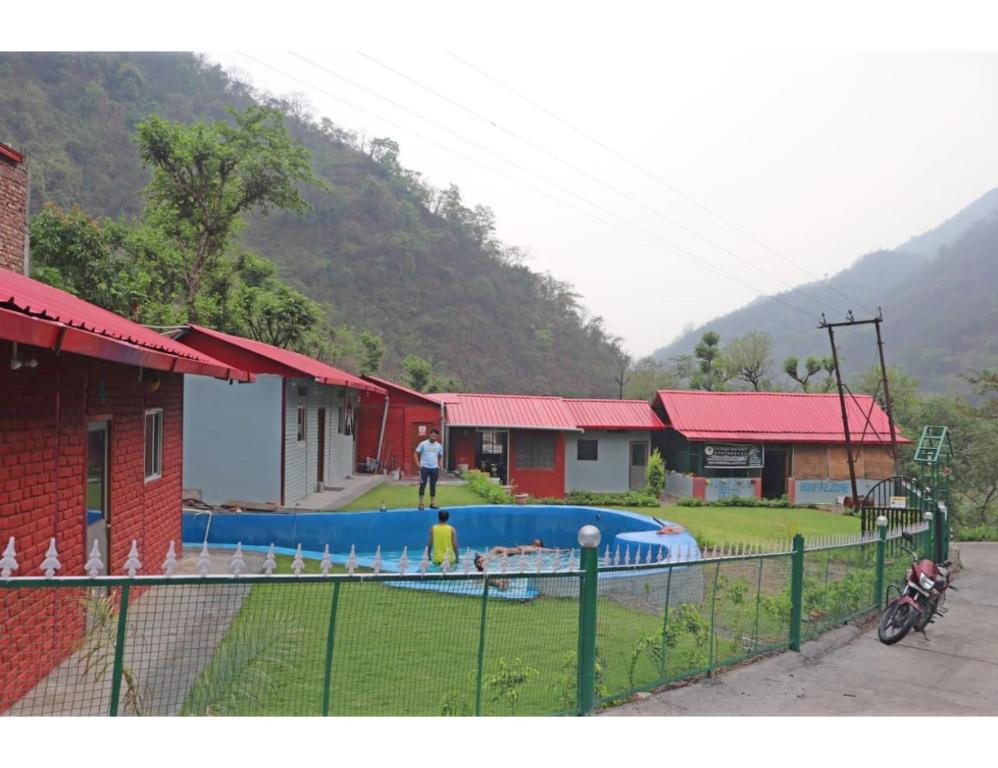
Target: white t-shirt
428,453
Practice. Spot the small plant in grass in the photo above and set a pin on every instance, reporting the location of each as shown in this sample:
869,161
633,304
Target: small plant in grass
97,645
687,626
567,683
504,683
455,704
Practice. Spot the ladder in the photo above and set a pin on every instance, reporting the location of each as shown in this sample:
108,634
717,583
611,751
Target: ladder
933,445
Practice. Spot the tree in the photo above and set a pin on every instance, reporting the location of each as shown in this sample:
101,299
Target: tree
710,372
373,352
812,367
748,358
647,376
207,176
417,372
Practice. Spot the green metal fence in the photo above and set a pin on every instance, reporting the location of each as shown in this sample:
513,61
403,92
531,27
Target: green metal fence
516,643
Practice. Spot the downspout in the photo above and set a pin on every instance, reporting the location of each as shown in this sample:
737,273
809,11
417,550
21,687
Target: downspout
284,427
381,435
444,433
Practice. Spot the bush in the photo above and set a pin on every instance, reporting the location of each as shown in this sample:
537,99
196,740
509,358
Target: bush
655,474
744,501
976,533
479,483
640,498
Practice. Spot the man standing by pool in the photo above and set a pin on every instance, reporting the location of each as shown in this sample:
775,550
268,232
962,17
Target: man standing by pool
429,457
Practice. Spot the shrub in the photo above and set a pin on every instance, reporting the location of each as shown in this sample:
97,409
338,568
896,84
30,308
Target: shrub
621,499
479,483
655,474
744,501
976,533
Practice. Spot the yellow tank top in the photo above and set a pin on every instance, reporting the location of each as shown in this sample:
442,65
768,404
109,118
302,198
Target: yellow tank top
442,543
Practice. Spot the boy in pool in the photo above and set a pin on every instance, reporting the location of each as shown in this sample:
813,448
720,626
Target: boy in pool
443,540
537,545
500,584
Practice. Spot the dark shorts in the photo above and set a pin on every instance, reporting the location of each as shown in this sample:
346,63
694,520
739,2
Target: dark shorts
425,473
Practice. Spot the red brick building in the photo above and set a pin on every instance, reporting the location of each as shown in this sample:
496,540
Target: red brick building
13,210
90,450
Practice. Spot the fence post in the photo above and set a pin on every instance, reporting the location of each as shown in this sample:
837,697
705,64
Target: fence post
796,592
663,665
878,588
589,538
119,651
327,678
481,647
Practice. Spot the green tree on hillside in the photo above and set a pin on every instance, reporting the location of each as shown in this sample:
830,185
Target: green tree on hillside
748,358
812,367
208,176
710,371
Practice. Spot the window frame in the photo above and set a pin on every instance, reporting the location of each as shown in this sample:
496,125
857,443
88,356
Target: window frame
530,459
578,449
157,468
302,421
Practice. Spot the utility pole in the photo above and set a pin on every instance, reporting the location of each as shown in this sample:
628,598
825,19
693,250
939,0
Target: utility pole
875,322
623,378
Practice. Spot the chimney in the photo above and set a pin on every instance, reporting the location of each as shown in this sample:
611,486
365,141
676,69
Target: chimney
13,210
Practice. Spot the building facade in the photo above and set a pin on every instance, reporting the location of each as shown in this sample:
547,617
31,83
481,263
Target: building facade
272,442
389,428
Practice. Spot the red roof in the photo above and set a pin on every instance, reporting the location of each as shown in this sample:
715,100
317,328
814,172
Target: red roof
386,384
785,417
288,363
37,314
508,411
612,414
11,154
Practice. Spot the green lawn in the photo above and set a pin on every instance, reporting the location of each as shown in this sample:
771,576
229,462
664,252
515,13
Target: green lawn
395,496
408,652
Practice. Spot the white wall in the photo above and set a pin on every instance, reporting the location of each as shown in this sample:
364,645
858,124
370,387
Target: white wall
611,470
301,458
232,439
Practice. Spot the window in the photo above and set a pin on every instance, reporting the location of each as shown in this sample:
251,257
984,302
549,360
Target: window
154,444
588,450
534,451
301,423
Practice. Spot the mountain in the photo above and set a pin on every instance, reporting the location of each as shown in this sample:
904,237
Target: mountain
380,250
937,291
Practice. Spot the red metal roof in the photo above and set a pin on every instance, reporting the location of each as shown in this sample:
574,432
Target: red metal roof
34,313
431,397
508,411
11,154
785,417
590,413
295,362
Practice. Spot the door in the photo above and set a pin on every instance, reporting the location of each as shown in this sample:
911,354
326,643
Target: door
97,493
774,473
639,461
492,451
320,462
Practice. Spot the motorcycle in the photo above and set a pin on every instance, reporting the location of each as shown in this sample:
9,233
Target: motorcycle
919,602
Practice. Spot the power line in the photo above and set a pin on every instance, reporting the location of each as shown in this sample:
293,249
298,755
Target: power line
611,187
675,249
655,178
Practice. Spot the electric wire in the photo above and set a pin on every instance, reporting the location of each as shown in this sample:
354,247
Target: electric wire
657,179
674,249
616,190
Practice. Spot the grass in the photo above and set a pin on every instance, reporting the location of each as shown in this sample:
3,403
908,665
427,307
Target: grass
398,496
408,652
751,525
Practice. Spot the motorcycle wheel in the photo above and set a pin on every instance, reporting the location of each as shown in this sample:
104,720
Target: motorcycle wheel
896,622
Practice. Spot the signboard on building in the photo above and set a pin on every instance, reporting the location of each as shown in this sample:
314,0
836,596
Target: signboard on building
740,455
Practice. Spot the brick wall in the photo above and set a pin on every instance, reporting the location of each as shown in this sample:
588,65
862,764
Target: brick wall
13,214
43,429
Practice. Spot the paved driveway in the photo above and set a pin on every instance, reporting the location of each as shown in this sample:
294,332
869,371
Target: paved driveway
848,672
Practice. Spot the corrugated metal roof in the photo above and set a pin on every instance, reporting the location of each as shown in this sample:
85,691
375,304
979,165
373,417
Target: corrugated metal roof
60,310
432,397
792,417
508,411
591,413
321,372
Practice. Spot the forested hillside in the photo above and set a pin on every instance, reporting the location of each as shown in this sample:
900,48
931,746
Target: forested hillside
937,291
380,250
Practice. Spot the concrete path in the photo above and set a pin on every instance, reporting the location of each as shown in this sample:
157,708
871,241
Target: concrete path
348,489
172,634
849,672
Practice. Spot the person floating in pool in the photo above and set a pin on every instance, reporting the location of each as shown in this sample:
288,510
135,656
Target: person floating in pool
429,456
443,540
500,584
537,545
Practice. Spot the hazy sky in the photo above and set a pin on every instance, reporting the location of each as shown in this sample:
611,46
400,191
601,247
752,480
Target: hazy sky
821,157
